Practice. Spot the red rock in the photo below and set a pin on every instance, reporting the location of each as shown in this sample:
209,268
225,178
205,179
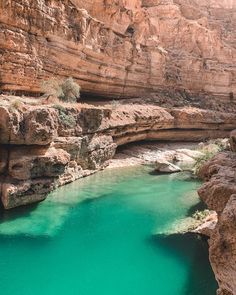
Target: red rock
121,48
29,163
223,249
233,140
25,192
3,159
219,193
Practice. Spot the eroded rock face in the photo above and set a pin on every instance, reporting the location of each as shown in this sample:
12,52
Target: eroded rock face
18,193
219,193
223,249
45,147
121,48
3,159
221,181
35,126
134,123
35,162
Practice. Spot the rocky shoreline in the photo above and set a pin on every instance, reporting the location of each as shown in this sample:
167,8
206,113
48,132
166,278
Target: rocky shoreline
46,146
182,154
219,193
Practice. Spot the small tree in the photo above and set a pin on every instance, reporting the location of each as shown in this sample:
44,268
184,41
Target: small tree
51,87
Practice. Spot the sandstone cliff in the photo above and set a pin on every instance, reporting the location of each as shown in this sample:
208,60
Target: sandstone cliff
121,48
219,193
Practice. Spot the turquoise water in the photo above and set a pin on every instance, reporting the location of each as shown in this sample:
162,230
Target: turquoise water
103,235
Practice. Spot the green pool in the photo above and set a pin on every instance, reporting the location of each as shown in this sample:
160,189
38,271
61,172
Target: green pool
104,235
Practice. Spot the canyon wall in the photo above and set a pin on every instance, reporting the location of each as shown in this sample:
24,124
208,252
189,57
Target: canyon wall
219,193
118,49
121,48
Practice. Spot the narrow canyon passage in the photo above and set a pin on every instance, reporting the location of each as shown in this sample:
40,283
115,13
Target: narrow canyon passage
117,92
105,234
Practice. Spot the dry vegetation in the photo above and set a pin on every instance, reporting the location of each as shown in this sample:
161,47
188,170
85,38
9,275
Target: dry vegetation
209,150
66,91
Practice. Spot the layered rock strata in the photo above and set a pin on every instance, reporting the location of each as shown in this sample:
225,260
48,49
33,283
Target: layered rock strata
219,193
43,147
121,48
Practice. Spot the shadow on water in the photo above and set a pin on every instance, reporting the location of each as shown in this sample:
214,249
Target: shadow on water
12,214
183,176
200,206
13,217
157,173
193,250
91,200
30,240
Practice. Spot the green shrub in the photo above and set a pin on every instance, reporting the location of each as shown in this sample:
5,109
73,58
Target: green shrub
70,90
65,118
201,215
60,108
67,90
202,160
209,150
16,105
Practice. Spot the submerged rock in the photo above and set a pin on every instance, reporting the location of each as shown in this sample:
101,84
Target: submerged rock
181,226
201,222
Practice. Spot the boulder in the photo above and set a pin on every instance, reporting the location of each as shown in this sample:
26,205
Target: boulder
166,167
20,193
